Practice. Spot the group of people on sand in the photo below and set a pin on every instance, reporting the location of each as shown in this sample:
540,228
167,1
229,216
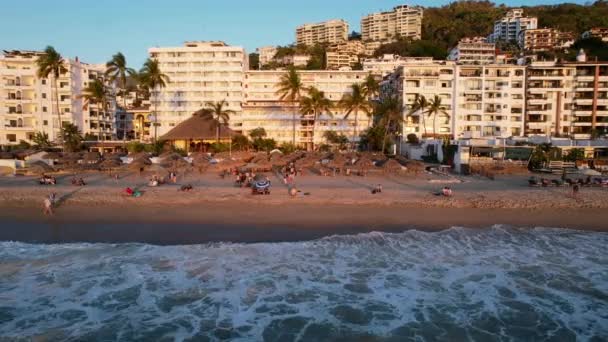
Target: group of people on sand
47,180
242,179
289,173
78,181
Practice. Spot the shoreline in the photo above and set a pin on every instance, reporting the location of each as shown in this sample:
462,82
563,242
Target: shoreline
259,222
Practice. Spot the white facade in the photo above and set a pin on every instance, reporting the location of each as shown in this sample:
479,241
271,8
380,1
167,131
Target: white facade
27,102
479,101
598,32
567,99
199,73
387,64
263,107
331,31
403,21
473,51
547,39
296,60
266,54
509,27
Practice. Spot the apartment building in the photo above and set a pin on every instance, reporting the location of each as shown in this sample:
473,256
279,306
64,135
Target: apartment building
479,100
545,39
331,31
266,54
489,101
296,60
27,102
425,78
387,64
508,28
345,55
262,107
199,73
402,21
567,99
473,50
597,32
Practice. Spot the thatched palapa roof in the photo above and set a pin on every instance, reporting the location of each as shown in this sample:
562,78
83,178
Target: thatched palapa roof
196,128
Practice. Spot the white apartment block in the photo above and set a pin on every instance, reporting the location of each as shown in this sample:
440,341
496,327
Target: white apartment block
27,102
296,60
546,39
331,31
567,99
344,55
473,51
263,108
340,60
266,54
597,32
403,21
509,27
387,64
199,73
489,101
480,101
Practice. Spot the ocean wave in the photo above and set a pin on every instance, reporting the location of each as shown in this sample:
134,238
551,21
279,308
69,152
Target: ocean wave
457,284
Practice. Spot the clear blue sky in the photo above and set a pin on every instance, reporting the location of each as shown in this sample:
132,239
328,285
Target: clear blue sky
95,29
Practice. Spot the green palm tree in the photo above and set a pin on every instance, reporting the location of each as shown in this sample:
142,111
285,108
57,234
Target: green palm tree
390,112
52,64
314,105
371,89
117,71
152,77
290,87
217,114
71,137
420,106
435,108
96,92
354,102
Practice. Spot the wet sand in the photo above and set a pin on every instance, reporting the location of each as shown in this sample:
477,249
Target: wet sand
214,222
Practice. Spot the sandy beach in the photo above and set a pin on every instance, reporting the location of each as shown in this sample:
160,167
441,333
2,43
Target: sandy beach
216,210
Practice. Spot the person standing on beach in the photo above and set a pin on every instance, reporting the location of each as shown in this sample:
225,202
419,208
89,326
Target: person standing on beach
575,189
48,205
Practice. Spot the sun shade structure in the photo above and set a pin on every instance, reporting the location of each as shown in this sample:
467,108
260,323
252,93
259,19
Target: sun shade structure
196,132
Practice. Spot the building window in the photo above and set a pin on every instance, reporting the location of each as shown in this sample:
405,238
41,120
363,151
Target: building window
45,122
44,109
44,95
66,110
44,81
11,137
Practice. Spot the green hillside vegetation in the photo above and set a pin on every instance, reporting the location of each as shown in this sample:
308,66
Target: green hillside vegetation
443,27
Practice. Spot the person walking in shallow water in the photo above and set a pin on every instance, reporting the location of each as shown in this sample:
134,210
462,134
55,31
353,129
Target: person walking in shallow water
48,205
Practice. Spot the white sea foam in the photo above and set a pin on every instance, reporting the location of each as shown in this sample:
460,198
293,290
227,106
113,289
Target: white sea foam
480,284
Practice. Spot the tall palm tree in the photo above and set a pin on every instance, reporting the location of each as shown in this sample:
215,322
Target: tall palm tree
315,104
153,78
390,111
290,87
217,114
354,102
435,108
420,106
371,89
52,64
96,92
117,71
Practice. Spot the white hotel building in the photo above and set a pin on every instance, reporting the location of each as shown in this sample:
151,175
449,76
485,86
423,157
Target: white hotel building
27,102
480,101
404,21
263,108
199,73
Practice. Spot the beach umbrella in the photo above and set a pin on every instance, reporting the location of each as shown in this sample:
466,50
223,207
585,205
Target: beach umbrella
39,167
589,172
109,164
92,156
6,155
51,155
